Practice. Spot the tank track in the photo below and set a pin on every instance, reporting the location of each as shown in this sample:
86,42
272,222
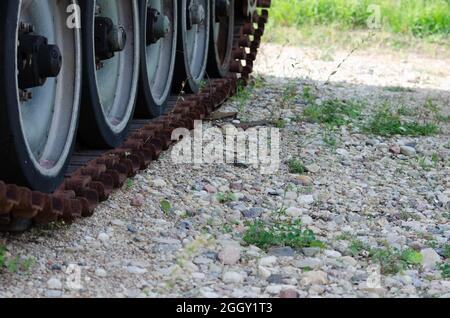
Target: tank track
94,174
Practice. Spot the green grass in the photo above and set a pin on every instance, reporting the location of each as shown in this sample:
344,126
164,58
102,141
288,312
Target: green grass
445,270
393,261
16,264
225,197
420,18
290,233
296,166
385,123
333,112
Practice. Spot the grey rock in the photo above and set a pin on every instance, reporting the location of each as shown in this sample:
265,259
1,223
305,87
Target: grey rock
253,213
282,251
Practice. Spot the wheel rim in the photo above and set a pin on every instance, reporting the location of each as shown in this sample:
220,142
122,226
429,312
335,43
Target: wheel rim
48,118
160,64
195,39
222,30
116,79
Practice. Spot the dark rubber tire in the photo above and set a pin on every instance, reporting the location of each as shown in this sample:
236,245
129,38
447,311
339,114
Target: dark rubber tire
16,165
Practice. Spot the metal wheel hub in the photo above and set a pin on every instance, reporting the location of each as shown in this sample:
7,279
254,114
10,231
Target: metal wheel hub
196,14
109,38
38,60
158,26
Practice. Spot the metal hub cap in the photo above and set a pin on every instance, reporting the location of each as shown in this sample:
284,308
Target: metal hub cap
36,58
109,38
196,14
158,26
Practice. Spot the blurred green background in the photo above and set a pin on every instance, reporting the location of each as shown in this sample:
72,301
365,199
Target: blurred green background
419,19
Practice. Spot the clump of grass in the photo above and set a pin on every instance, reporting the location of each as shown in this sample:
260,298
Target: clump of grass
15,264
445,270
296,166
289,233
225,197
280,123
385,123
334,113
289,93
393,261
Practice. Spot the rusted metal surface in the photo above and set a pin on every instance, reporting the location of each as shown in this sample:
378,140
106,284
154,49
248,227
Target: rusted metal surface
93,175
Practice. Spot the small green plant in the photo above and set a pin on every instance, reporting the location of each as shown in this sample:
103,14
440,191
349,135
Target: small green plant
392,260
242,97
15,264
329,138
385,123
289,233
308,94
356,247
225,197
334,113
2,256
289,93
165,206
296,166
446,251
399,89
445,270
280,123
129,184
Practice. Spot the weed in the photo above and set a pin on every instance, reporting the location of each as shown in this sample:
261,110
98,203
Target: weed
289,93
356,247
385,123
393,260
445,270
289,233
129,184
15,264
280,123
399,89
226,197
296,166
165,206
334,113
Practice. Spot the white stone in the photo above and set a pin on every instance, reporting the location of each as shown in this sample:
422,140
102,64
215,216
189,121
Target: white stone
430,258
305,199
233,278
332,254
100,272
268,261
159,183
103,237
314,277
407,151
307,220
136,270
264,272
294,212
230,254
54,283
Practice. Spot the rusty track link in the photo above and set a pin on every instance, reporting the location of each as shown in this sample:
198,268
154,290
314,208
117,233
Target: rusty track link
94,174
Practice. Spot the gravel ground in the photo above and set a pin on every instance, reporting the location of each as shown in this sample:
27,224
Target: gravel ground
379,205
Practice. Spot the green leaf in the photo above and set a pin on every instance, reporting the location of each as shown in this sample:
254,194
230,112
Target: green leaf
165,206
412,257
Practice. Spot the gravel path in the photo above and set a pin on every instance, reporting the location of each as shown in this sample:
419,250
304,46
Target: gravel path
378,205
